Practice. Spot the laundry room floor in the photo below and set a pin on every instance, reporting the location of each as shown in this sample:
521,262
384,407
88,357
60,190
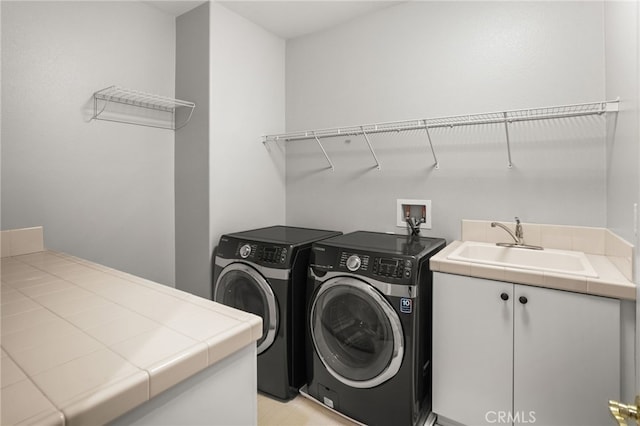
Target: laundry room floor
298,412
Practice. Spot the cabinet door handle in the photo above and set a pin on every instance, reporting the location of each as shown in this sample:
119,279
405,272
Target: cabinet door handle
523,300
504,296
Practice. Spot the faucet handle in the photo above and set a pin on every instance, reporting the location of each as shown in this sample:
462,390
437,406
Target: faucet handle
519,233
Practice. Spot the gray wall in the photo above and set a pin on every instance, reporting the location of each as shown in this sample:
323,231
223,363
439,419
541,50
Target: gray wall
430,59
102,190
226,180
623,80
193,250
247,100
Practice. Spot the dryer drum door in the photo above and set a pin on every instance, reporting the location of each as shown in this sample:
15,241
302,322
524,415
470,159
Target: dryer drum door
242,287
356,332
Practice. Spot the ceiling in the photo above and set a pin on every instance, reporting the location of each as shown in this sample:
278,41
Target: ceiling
291,19
174,7
287,19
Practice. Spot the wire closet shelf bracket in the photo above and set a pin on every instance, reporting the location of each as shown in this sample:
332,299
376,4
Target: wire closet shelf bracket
145,101
501,117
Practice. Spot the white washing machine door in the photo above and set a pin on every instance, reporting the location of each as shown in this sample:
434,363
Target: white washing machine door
356,332
243,287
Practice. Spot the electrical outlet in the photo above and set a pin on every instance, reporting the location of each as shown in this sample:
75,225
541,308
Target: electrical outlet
416,209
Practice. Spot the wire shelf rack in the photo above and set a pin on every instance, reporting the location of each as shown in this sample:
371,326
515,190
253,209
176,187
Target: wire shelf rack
500,117
133,99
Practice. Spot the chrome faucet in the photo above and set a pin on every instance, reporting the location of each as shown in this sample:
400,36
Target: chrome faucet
518,237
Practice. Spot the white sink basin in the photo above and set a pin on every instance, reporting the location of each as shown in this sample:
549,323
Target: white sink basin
561,261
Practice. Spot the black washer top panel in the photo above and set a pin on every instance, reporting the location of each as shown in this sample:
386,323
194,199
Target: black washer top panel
289,235
392,244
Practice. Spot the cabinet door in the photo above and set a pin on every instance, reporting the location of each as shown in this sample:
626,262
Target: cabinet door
472,348
566,357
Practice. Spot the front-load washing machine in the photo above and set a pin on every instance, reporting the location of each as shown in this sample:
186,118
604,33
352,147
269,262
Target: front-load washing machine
264,271
369,326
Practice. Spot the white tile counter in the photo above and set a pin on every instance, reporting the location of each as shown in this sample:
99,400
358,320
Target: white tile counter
84,344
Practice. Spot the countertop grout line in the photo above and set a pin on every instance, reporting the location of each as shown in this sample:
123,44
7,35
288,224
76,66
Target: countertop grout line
103,345
179,364
119,276
242,324
28,377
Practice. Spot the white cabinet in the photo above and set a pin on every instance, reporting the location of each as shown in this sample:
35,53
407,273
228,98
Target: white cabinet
472,348
513,354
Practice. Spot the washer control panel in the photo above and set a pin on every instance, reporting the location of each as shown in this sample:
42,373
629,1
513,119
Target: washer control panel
268,254
392,267
383,267
272,254
354,261
246,250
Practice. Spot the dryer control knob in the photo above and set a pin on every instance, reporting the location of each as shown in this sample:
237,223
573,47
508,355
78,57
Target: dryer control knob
353,262
245,251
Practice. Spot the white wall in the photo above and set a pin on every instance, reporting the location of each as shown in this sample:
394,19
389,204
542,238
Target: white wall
247,187
430,59
102,190
623,151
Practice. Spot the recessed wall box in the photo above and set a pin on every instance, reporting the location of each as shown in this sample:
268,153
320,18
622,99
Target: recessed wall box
416,210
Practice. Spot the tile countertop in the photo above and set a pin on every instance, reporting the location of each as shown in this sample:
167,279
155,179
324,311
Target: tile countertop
610,256
83,343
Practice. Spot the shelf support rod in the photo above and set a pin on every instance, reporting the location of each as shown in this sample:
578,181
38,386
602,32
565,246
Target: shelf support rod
323,151
433,152
366,138
506,131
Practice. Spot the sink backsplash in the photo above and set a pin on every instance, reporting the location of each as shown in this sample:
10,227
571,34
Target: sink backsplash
597,241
